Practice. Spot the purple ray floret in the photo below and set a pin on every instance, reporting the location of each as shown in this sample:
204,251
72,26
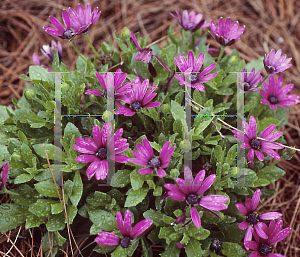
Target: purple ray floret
139,97
60,31
106,238
116,83
82,20
97,150
225,33
249,80
274,94
191,21
275,63
253,220
256,145
261,246
145,157
189,190
190,69
3,174
49,51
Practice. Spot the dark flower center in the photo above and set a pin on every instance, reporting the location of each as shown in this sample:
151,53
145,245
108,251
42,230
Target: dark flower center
154,162
263,249
216,245
101,153
125,241
136,105
252,218
68,33
194,79
270,69
192,199
273,100
246,86
255,143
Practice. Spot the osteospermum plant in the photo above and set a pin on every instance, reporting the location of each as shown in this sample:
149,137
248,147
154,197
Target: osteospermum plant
142,152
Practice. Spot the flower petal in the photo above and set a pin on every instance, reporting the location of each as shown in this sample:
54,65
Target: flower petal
259,230
106,238
140,228
195,217
270,216
280,236
119,220
243,225
206,184
248,236
255,199
161,173
86,158
252,245
146,171
242,208
127,223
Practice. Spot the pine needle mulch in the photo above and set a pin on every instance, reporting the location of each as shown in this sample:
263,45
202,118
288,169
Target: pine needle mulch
270,24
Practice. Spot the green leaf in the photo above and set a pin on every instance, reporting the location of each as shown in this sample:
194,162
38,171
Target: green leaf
130,250
52,151
56,208
271,173
232,153
77,189
42,207
119,252
261,182
177,111
193,248
147,250
23,178
56,222
136,196
171,250
199,233
121,178
103,220
136,179
156,216
165,232
47,188
258,64
27,116
69,132
201,123
22,137
11,216
232,249
219,153
104,249
98,199
33,221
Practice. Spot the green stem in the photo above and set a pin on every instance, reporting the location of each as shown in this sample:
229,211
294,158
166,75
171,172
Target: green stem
91,45
77,51
260,83
221,53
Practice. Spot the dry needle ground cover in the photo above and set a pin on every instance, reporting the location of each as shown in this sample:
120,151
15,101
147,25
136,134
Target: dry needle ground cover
269,25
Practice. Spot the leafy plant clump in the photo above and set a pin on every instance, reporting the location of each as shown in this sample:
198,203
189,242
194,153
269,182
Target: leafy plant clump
152,148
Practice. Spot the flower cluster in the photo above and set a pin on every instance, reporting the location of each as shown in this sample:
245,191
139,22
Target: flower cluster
75,24
265,237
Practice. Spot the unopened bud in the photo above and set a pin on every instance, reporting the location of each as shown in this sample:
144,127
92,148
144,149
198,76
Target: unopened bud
125,32
233,60
30,93
64,87
181,219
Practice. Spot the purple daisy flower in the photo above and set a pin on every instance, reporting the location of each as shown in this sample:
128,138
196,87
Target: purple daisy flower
100,148
145,156
60,31
145,56
249,80
253,220
4,174
49,51
83,19
225,33
106,238
190,66
105,82
275,63
191,21
189,190
262,247
275,95
138,98
254,144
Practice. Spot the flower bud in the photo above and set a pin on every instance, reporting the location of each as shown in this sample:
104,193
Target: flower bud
233,60
107,116
174,173
185,145
288,154
30,93
64,87
180,245
180,219
125,32
93,98
226,166
207,166
216,245
165,108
